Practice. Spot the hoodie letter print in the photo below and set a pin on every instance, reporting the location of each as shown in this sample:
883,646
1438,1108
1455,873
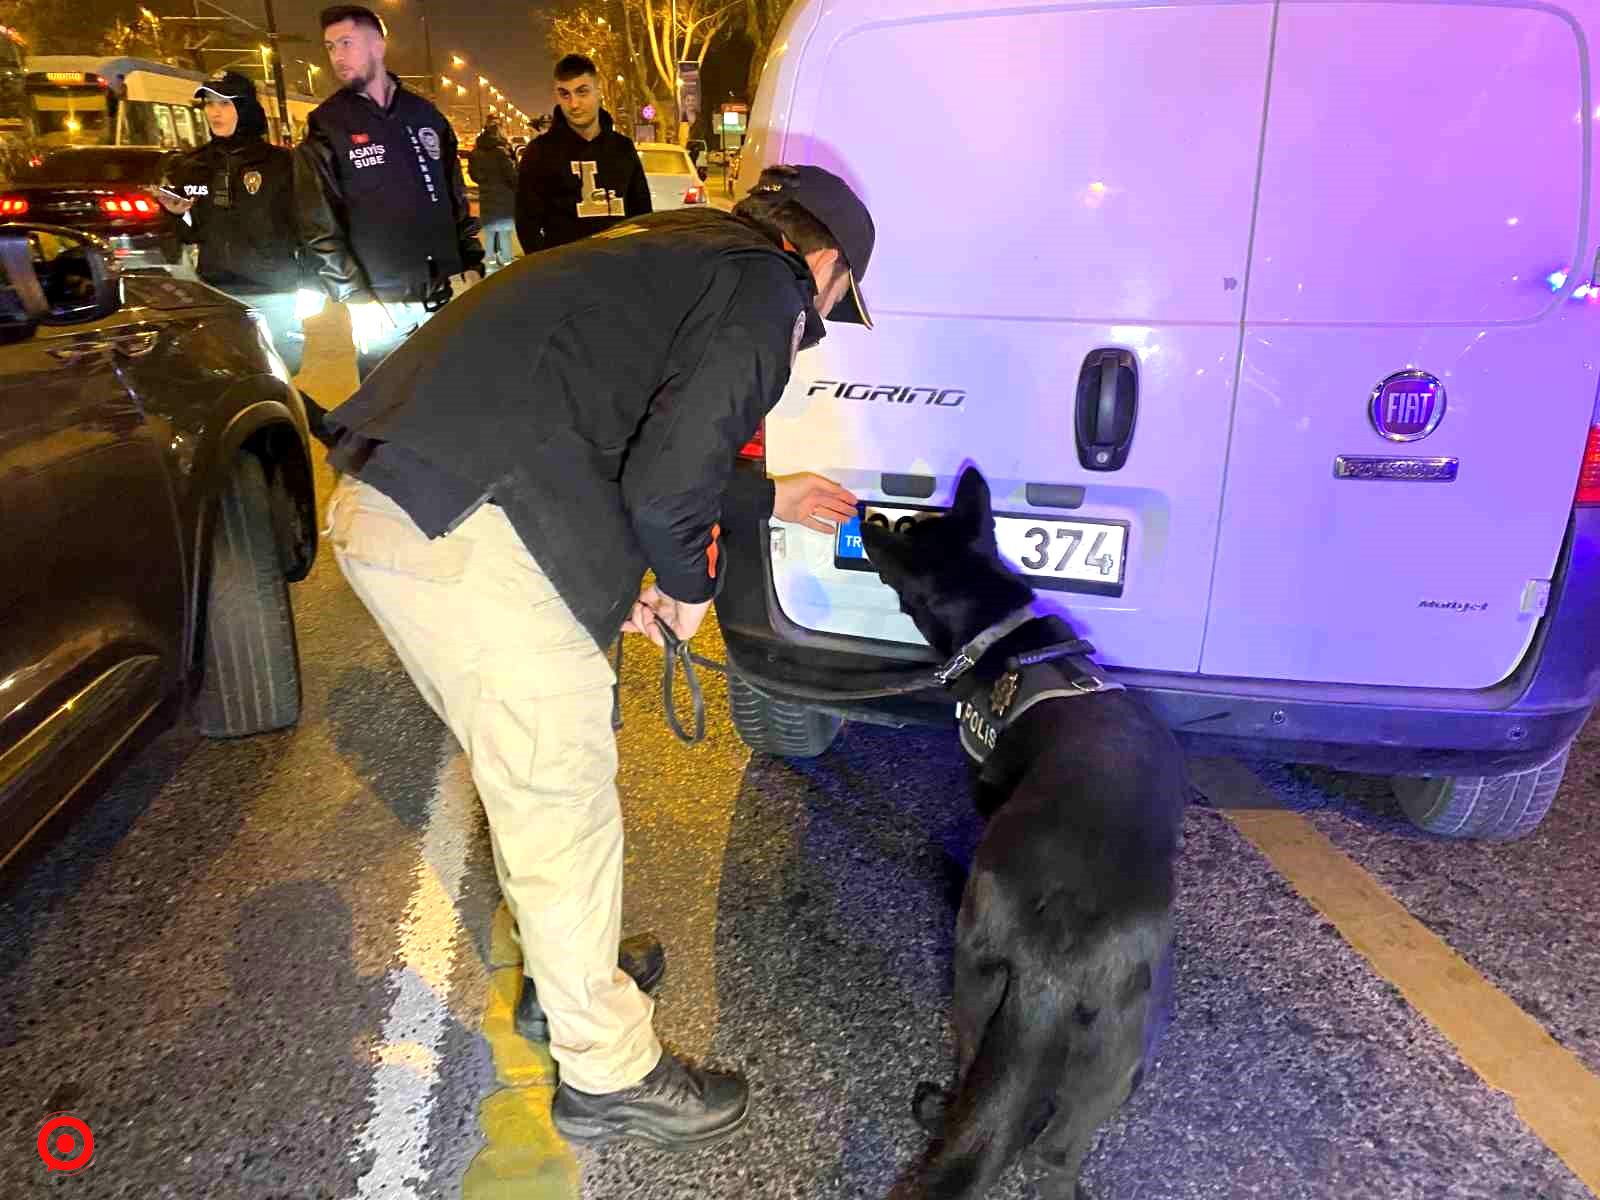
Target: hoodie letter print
594,201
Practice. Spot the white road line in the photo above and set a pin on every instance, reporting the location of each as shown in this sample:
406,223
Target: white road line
401,1097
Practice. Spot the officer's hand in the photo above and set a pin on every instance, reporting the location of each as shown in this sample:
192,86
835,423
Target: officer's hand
176,207
683,618
370,323
465,280
812,501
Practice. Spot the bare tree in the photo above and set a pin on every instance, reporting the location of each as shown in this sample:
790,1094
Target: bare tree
145,36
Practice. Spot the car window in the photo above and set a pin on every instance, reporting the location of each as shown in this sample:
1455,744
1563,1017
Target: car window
665,162
62,265
181,117
95,166
138,119
164,127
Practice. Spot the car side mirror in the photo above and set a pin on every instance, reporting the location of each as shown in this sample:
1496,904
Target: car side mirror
56,276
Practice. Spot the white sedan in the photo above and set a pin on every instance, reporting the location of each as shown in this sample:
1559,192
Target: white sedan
674,181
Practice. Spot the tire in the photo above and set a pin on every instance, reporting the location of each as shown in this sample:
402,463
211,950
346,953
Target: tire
1496,808
251,680
779,727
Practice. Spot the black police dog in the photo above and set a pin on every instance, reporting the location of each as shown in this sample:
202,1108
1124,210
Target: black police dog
1063,959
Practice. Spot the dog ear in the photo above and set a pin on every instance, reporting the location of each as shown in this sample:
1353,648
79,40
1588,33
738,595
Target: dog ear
972,507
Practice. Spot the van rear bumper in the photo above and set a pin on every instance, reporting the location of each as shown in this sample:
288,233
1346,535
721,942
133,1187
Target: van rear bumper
1519,723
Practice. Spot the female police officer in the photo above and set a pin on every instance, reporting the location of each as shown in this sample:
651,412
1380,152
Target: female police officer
237,195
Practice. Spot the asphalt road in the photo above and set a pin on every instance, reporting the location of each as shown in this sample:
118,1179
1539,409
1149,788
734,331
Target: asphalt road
262,969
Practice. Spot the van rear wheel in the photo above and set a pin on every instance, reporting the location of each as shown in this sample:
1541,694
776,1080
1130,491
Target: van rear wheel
1495,808
779,727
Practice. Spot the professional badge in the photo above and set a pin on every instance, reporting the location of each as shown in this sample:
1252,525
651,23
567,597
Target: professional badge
1003,693
430,141
252,182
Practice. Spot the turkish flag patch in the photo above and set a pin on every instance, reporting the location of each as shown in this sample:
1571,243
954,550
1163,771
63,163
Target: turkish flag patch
359,139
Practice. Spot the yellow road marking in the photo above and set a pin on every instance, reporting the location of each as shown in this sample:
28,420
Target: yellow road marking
524,1158
1555,1095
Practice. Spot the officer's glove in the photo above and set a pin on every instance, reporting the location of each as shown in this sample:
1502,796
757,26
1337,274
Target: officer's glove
308,303
370,324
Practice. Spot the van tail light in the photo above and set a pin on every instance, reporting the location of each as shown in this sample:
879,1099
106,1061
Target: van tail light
129,206
1589,474
13,206
695,195
756,448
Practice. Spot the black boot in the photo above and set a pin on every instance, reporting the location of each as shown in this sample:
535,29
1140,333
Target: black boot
640,957
675,1107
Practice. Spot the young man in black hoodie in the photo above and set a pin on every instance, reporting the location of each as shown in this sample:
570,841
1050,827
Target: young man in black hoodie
581,175
238,195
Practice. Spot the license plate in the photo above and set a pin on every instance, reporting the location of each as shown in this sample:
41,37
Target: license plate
1068,555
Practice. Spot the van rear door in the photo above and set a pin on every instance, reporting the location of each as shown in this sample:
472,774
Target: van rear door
1048,181
1421,221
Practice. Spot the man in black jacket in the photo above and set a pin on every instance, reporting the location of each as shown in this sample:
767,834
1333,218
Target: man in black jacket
238,193
495,173
383,208
511,473
581,175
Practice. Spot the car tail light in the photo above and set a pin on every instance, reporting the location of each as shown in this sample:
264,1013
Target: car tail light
695,195
129,206
1589,474
13,206
756,447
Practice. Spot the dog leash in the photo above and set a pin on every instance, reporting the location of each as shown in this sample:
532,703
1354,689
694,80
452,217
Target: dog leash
867,685
676,655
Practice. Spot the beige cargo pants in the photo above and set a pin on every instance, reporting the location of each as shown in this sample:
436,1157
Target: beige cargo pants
499,656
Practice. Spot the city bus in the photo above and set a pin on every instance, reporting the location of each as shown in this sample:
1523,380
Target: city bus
82,100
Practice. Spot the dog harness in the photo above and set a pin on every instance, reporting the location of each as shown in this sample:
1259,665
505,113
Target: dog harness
1058,672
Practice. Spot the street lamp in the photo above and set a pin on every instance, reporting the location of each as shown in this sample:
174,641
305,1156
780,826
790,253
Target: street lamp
457,61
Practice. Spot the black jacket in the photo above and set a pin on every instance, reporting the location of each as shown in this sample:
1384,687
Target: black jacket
599,394
551,207
382,205
495,173
243,217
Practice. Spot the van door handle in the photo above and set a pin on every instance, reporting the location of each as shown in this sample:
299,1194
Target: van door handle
1108,407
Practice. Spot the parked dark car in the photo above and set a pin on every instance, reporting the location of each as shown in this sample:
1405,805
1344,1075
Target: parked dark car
155,480
103,190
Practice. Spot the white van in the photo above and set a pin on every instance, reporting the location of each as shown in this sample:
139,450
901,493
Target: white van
1271,325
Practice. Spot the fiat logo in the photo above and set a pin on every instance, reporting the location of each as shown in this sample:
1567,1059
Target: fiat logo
1407,406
